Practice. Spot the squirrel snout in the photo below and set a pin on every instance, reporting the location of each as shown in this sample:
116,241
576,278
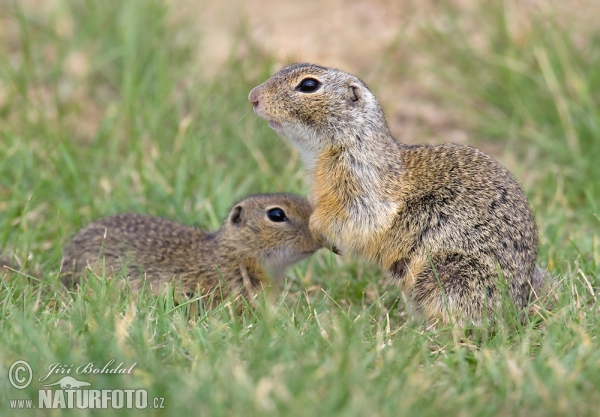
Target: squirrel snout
253,97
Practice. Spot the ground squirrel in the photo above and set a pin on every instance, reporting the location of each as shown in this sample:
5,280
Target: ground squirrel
448,222
262,235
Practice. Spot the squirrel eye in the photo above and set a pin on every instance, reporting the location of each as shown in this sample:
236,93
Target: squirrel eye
308,85
276,215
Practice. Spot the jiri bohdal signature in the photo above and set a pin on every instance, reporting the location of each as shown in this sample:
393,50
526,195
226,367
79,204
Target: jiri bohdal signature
88,368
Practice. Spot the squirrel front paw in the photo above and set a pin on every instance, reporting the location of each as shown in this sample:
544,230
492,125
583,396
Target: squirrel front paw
327,244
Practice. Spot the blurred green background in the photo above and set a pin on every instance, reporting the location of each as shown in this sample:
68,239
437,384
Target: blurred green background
138,106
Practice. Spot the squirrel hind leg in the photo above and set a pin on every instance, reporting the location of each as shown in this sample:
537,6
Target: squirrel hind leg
459,289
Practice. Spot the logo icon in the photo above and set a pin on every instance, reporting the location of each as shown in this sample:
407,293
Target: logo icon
16,377
68,382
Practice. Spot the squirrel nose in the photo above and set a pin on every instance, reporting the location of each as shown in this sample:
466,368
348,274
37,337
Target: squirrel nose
253,97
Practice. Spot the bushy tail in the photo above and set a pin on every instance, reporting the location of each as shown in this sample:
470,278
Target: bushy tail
7,265
544,287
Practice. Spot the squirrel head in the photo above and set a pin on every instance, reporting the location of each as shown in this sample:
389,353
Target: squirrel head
272,228
318,107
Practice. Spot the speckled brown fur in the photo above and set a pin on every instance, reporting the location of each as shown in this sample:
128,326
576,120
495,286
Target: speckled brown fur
238,259
448,222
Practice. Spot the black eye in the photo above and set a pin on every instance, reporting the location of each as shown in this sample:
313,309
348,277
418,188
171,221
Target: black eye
276,215
308,85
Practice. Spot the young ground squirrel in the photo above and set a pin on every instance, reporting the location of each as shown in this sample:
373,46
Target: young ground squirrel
448,222
262,236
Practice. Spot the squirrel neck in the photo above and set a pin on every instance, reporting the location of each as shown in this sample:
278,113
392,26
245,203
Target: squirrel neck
367,156
357,184
233,253
252,273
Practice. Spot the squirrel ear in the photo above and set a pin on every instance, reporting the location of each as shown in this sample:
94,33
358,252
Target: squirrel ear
354,94
235,217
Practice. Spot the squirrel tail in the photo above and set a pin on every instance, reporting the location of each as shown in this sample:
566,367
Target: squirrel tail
544,287
7,265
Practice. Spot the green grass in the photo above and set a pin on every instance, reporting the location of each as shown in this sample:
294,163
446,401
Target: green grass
103,109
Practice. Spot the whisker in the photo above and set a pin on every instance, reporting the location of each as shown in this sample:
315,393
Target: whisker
244,116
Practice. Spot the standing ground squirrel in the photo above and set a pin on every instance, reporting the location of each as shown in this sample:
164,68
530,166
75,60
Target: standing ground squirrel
262,236
447,222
